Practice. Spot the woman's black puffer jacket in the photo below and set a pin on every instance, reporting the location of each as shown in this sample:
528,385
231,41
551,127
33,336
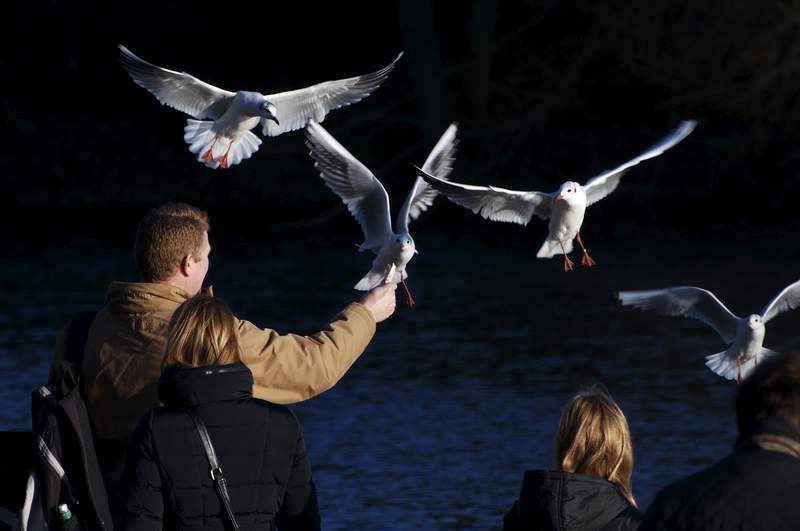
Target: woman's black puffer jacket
561,501
258,444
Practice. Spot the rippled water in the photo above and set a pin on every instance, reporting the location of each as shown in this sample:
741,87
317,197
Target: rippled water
435,424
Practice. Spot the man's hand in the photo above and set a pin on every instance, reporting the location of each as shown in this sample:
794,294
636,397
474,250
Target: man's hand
380,301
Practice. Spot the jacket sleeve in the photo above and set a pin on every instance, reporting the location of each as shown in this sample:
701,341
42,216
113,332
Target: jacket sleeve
292,368
300,509
141,506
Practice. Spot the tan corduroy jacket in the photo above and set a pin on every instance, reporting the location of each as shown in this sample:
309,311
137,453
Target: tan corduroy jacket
122,361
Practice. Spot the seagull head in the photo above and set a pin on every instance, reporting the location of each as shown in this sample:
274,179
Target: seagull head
405,246
404,241
754,321
268,111
568,190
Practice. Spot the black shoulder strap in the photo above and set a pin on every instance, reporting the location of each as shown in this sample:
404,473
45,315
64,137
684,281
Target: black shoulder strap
216,471
76,338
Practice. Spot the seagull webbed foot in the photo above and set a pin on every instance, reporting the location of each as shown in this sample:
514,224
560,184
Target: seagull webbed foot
208,156
586,260
567,262
409,300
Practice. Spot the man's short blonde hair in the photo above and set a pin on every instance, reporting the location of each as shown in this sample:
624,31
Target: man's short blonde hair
165,235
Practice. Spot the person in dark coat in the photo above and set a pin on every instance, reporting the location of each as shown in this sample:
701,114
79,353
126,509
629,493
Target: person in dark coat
757,486
166,483
590,490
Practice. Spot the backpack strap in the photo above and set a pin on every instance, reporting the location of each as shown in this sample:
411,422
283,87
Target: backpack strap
76,338
216,471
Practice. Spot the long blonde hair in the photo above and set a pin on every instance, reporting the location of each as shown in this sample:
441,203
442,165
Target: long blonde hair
593,438
202,331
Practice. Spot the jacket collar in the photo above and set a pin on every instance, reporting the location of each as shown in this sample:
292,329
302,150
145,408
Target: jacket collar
771,434
139,297
590,501
191,386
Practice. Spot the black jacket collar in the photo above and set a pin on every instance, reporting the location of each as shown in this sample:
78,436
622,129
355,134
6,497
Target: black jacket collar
190,386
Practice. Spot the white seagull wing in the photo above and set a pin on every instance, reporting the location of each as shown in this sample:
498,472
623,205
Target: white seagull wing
688,301
363,194
178,90
439,163
600,186
296,108
497,204
787,299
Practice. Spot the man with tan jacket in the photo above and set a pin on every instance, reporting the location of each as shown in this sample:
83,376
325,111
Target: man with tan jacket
122,359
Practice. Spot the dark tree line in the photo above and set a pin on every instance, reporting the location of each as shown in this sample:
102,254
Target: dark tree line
543,91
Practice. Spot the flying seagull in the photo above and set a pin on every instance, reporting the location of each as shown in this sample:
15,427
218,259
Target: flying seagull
565,208
368,201
221,135
746,334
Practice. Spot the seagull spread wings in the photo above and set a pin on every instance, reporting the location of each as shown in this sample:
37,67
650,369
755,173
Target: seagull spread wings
359,189
197,98
439,163
688,301
363,193
500,204
298,107
600,186
787,299
178,90
497,204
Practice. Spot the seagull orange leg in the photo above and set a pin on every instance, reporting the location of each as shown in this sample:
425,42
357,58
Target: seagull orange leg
409,300
739,363
567,262
208,156
586,260
223,160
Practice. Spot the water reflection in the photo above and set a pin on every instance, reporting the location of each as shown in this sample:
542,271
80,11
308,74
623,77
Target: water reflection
433,427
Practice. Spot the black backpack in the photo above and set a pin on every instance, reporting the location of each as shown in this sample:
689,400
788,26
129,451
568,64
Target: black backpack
65,489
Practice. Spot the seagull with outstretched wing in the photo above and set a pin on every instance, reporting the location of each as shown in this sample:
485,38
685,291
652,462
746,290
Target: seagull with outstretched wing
745,335
367,200
565,208
220,135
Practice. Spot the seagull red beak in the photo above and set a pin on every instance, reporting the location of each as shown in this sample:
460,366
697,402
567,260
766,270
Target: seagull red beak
275,119
559,197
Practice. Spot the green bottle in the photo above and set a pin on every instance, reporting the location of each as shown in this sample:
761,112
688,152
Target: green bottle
64,513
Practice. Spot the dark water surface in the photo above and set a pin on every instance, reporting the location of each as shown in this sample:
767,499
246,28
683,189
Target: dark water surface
435,424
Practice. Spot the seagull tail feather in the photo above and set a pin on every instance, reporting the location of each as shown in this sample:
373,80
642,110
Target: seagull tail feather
724,364
551,247
377,276
201,138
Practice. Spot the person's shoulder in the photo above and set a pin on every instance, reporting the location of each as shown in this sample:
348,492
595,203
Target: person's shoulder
276,412
628,520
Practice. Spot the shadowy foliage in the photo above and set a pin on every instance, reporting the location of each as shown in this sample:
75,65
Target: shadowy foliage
543,91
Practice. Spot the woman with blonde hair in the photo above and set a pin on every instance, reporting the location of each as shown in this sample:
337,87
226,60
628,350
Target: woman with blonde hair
258,444
590,489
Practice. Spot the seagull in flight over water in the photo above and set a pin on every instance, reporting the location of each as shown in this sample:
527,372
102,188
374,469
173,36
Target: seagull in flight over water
221,134
367,200
565,208
746,335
